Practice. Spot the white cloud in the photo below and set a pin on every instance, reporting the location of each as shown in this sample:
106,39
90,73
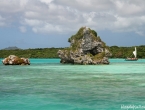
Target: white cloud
46,16
2,21
129,8
22,29
46,1
2,24
47,28
141,33
1,18
33,22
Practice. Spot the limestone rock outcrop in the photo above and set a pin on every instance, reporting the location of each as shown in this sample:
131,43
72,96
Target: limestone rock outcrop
15,60
85,48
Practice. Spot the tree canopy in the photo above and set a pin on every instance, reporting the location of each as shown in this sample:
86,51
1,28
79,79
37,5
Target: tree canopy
117,52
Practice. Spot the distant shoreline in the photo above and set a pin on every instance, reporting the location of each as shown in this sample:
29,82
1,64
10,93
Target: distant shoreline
117,52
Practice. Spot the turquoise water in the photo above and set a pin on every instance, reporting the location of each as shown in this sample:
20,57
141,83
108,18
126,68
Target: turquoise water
48,85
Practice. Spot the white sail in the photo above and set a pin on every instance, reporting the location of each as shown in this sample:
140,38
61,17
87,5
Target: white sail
135,52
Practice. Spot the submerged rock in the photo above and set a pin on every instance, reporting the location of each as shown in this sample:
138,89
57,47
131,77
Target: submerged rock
85,48
15,60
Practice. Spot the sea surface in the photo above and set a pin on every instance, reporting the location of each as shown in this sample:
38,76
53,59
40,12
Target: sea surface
48,85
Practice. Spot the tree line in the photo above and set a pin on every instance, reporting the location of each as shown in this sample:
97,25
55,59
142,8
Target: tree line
123,52
117,52
31,53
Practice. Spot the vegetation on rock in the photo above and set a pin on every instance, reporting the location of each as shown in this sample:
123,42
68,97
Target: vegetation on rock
85,48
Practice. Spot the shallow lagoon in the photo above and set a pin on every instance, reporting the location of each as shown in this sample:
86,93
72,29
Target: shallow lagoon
48,85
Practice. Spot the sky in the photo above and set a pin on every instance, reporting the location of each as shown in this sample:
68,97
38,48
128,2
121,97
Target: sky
49,23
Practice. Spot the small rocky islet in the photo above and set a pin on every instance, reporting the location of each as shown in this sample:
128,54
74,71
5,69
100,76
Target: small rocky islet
15,60
86,48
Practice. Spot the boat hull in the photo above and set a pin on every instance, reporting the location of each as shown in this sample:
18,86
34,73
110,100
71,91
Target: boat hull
131,59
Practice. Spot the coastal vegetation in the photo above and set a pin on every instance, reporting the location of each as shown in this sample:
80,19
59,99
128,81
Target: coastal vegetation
117,52
31,53
123,52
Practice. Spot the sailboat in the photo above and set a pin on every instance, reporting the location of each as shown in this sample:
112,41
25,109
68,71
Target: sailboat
135,56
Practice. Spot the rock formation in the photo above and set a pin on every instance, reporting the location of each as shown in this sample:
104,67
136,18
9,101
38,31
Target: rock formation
15,60
85,48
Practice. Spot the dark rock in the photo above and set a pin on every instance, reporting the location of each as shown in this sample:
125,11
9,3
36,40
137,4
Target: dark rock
86,48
